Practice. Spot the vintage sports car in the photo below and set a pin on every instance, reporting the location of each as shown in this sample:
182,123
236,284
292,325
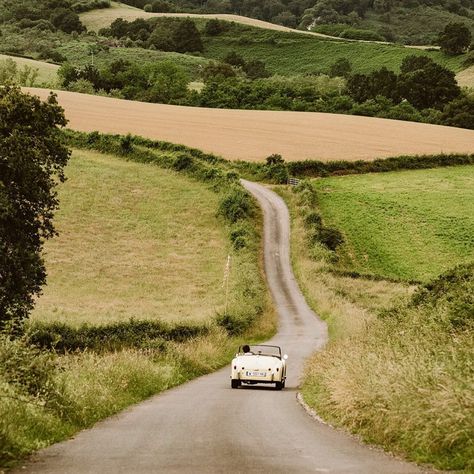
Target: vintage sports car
259,364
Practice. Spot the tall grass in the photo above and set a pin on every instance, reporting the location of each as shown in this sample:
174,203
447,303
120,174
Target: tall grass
407,381
404,379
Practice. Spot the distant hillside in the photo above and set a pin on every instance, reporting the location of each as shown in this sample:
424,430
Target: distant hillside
405,21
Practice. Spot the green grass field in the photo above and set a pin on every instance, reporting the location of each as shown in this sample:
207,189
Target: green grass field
411,225
290,53
135,241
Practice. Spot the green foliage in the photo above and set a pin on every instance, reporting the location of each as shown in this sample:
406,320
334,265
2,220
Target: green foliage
341,68
459,112
32,160
10,73
455,39
217,72
66,20
313,168
449,299
235,205
215,27
317,232
134,333
276,170
415,365
167,34
424,83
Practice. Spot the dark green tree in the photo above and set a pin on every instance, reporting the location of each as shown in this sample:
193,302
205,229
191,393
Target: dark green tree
217,71
234,59
431,86
186,37
459,112
341,68
32,159
455,38
66,20
256,69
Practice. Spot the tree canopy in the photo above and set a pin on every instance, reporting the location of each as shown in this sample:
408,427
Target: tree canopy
32,159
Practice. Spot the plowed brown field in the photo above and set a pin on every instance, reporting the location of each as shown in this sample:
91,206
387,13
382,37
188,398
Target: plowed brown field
255,134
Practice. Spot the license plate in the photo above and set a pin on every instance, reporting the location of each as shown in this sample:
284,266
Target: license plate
255,374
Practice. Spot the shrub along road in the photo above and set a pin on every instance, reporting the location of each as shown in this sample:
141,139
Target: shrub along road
205,426
253,135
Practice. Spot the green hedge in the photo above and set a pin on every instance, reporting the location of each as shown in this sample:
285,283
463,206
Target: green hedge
134,333
311,168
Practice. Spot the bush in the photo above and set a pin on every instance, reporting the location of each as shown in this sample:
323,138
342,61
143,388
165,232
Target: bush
330,237
235,205
182,161
126,143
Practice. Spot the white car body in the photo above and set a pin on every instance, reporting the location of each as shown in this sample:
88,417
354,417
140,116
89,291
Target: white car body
259,364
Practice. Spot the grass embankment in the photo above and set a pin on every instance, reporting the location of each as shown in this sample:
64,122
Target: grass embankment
404,380
285,53
136,240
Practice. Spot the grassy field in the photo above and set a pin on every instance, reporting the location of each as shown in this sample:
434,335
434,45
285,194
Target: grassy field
402,381
47,72
133,249
410,225
136,240
287,53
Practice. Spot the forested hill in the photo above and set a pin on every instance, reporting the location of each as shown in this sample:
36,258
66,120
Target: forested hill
405,21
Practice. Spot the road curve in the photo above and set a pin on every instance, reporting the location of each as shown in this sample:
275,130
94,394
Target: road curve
206,427
252,135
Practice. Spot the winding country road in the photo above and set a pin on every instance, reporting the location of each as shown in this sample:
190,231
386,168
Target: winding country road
206,427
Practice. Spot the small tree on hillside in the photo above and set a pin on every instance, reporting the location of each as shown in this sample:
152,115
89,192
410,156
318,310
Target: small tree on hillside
32,158
455,39
187,38
341,68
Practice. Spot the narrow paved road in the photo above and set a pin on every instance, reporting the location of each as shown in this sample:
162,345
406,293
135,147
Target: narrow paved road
206,427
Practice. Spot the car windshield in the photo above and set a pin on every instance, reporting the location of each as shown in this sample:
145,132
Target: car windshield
273,351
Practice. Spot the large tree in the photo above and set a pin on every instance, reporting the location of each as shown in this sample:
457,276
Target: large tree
32,158
455,39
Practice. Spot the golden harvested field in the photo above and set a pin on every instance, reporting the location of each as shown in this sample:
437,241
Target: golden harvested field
130,245
466,78
255,134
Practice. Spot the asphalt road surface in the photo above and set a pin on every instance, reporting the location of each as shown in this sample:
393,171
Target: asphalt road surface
206,427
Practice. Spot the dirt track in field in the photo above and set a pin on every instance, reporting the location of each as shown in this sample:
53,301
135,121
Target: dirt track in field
254,135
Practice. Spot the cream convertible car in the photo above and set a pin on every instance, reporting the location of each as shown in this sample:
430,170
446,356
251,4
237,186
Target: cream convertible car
259,364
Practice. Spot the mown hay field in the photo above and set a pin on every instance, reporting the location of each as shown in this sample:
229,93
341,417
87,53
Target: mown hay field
135,241
411,225
253,135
